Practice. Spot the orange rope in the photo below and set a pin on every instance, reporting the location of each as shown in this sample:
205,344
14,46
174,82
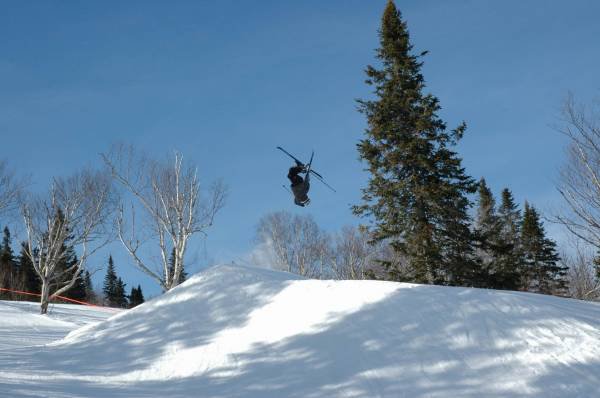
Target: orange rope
55,297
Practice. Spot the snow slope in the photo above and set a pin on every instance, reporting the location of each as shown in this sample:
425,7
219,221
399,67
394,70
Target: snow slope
247,332
22,325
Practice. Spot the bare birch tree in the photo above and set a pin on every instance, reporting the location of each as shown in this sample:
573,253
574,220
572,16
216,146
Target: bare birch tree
353,254
10,189
582,276
76,210
580,176
297,243
173,210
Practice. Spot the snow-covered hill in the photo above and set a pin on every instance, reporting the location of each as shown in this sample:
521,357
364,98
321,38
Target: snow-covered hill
246,332
22,325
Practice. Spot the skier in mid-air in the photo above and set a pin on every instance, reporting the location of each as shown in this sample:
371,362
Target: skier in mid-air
299,185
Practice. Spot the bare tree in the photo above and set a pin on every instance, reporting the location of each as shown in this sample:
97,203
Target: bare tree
169,196
76,210
357,256
582,276
580,177
10,189
353,254
297,244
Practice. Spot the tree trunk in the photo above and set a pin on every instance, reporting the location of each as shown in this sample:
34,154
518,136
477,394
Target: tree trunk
44,297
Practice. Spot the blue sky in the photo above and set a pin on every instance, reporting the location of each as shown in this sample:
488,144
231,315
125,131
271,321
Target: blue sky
225,82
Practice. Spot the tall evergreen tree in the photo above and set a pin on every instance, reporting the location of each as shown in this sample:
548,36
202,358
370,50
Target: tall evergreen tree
417,192
542,271
110,283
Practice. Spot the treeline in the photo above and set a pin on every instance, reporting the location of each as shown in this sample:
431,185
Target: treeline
19,278
84,212
418,196
18,274
509,250
114,290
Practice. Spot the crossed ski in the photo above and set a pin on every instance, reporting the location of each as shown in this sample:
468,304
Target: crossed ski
317,175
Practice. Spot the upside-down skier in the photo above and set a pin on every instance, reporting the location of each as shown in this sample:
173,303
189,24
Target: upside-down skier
299,185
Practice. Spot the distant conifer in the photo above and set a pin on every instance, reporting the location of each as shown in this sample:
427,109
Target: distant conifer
542,271
120,297
136,297
183,275
487,232
9,272
90,294
110,283
30,281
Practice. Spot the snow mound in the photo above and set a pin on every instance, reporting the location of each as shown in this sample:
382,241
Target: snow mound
246,332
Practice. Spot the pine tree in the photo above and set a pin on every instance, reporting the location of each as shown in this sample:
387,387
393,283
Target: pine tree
8,267
136,297
30,281
487,232
417,192
542,271
66,272
509,248
183,275
110,283
140,295
120,298
90,294
6,252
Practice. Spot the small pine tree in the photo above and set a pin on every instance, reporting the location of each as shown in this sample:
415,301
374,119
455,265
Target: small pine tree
120,297
90,294
136,297
183,275
543,272
509,247
487,235
110,283
66,271
140,295
8,267
66,267
29,279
